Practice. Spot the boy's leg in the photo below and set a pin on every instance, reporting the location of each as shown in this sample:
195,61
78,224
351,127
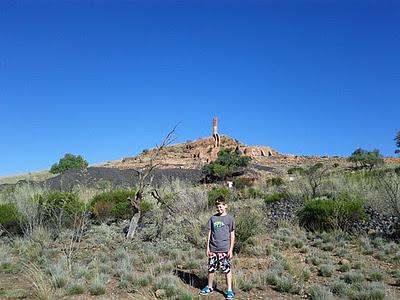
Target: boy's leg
228,277
210,279
212,267
225,263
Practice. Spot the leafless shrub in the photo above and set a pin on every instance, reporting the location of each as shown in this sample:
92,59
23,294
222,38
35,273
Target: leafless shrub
145,181
177,205
389,184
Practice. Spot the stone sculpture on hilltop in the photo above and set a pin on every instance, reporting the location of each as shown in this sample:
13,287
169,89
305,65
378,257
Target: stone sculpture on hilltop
215,133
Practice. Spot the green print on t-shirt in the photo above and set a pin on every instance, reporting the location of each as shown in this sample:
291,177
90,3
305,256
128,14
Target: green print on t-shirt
218,224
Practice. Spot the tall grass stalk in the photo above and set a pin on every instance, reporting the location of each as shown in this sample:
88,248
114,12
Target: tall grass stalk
41,283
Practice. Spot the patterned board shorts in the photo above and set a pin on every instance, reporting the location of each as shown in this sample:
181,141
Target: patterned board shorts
219,261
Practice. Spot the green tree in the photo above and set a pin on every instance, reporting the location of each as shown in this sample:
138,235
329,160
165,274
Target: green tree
366,159
397,139
315,175
69,161
227,164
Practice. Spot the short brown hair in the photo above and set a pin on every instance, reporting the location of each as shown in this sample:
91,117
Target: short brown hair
220,200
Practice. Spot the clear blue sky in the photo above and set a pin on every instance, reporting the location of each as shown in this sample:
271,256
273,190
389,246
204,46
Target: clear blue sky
106,79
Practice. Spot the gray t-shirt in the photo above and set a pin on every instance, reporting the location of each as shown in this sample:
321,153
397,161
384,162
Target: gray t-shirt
221,228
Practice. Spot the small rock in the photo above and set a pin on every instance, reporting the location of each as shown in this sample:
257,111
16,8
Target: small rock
161,293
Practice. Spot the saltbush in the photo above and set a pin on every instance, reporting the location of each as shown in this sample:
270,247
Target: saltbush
248,224
216,192
145,206
10,218
249,193
318,292
243,182
296,170
60,208
275,197
116,204
326,214
275,181
53,202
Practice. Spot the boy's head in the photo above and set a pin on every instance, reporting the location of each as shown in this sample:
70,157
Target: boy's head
220,205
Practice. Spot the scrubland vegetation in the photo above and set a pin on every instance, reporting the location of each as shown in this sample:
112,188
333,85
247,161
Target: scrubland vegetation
65,244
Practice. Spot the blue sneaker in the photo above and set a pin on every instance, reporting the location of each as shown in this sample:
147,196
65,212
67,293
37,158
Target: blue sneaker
229,295
206,291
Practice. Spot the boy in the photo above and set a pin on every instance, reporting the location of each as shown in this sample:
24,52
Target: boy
221,237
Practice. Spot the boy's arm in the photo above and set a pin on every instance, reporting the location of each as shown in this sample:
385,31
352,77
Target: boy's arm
208,242
232,242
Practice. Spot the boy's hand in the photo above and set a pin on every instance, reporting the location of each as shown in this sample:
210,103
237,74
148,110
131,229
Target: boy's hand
230,253
209,253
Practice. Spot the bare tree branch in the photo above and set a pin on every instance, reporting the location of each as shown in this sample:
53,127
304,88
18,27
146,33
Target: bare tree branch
143,183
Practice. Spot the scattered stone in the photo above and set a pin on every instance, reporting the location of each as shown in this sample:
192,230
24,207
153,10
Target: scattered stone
161,293
280,210
375,223
344,261
77,237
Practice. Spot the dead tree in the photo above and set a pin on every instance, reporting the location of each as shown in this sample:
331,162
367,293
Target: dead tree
145,179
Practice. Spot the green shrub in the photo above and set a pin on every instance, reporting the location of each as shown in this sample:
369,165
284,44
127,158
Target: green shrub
145,206
69,161
76,288
315,259
296,170
243,282
374,275
115,204
339,288
97,286
253,193
318,292
344,267
250,193
288,284
243,182
367,291
396,276
326,270
67,201
326,214
216,192
141,280
275,181
59,274
366,159
121,210
60,208
275,197
169,283
185,296
305,274
228,162
248,224
354,277
10,218
14,294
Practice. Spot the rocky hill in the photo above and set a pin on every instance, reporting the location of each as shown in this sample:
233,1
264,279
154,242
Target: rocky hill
190,155
184,161
194,155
